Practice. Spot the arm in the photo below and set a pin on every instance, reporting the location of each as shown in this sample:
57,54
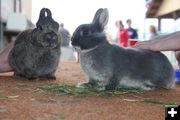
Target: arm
4,65
170,42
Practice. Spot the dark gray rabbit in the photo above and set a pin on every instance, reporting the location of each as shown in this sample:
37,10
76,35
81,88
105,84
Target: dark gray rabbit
109,66
36,52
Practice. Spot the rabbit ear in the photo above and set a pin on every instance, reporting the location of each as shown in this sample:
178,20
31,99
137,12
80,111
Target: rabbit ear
42,13
98,12
104,17
49,14
41,16
101,18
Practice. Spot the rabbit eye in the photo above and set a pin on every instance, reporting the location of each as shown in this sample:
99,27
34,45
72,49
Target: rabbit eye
85,33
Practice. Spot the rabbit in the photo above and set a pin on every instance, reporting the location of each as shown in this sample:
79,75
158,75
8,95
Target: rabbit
109,66
36,52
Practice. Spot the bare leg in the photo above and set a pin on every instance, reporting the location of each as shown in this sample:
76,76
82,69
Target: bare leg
4,65
170,42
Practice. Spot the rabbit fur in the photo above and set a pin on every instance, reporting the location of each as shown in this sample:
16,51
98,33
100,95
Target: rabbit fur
36,52
109,66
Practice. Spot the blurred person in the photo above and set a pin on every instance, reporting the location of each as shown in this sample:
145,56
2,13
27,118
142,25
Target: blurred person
152,32
123,35
65,35
131,31
68,53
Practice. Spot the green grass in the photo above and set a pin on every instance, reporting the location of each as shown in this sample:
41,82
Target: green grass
8,97
151,100
157,101
73,90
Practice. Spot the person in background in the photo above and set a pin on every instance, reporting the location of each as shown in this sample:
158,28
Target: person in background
123,35
152,32
65,35
131,31
68,53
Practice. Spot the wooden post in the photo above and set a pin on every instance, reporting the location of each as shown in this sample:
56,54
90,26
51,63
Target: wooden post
15,10
159,24
20,6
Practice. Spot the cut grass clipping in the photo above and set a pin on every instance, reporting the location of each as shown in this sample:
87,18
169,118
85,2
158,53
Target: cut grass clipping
8,97
151,100
157,101
73,90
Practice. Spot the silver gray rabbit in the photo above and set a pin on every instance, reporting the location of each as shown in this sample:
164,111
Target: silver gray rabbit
109,66
36,52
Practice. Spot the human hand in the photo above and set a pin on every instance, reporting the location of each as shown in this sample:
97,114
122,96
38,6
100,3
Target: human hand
147,45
